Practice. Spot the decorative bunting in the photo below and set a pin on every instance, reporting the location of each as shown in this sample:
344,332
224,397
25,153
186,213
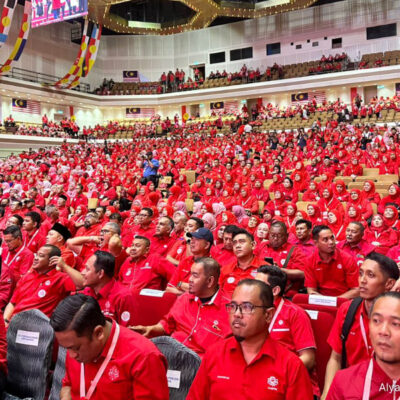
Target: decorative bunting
21,40
77,65
93,49
6,20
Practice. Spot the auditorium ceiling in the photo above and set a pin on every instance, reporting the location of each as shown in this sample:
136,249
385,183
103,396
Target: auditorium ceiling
166,17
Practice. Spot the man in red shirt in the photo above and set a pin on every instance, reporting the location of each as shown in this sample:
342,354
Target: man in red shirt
42,288
79,198
303,237
145,227
378,275
132,364
378,376
180,220
16,261
354,244
198,318
144,269
223,252
162,241
57,236
233,368
246,263
63,210
330,271
39,200
34,237
200,246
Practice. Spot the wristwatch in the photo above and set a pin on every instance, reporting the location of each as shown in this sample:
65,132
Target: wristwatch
179,285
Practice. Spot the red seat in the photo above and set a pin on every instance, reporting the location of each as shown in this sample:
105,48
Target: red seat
319,303
321,322
150,309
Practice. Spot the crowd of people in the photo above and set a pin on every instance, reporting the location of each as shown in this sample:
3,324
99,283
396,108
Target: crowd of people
100,219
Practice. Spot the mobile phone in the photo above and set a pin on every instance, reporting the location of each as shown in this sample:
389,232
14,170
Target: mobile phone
269,260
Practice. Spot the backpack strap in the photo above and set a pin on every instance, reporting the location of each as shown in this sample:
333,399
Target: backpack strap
289,256
348,322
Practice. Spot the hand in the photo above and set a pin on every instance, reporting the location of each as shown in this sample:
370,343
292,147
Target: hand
141,329
95,239
58,262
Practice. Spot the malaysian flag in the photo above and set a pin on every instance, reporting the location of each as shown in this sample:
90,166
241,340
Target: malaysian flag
304,98
26,106
136,112
130,76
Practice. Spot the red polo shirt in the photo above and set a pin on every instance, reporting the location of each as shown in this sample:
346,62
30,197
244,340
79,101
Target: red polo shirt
222,255
182,272
333,278
274,374
297,259
161,245
35,240
136,366
349,383
231,274
195,324
394,253
178,250
356,348
359,251
79,200
68,256
41,291
307,248
152,272
137,230
115,301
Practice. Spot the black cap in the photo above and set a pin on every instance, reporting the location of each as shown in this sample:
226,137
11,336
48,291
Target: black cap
202,233
62,230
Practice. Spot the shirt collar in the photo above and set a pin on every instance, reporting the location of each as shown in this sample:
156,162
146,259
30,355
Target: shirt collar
106,289
267,349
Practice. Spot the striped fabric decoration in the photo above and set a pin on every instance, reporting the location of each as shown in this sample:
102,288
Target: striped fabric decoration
231,106
21,40
305,98
77,65
93,49
6,20
136,112
26,106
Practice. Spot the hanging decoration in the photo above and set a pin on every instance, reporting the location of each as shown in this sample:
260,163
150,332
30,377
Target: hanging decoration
21,40
6,20
90,58
77,65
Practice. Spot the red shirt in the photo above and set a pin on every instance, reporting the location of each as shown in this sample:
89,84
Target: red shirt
359,251
137,230
161,245
136,366
333,278
356,348
152,272
231,274
34,241
222,255
348,383
178,250
182,272
274,374
195,324
115,302
296,261
78,200
41,291
394,253
307,248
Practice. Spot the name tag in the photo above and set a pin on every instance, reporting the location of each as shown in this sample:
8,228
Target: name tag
329,301
27,337
174,378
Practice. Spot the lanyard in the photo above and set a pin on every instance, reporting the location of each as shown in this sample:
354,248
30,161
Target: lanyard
278,310
100,372
8,256
33,237
377,234
363,333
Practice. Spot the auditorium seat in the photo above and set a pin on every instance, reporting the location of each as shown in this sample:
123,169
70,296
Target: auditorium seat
319,303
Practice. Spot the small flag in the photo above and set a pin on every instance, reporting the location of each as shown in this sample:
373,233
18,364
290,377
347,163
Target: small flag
130,76
304,98
136,112
217,106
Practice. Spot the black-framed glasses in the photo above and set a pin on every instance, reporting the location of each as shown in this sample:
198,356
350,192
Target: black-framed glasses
245,308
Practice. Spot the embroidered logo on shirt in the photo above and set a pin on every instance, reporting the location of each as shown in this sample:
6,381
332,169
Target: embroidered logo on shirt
113,373
146,266
280,322
272,382
223,377
125,316
339,266
42,293
179,251
47,283
128,272
231,279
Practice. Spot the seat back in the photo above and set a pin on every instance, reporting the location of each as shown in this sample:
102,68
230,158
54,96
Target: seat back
58,374
321,323
151,306
30,341
319,303
183,364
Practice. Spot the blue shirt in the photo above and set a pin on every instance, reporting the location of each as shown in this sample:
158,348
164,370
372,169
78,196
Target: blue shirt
148,170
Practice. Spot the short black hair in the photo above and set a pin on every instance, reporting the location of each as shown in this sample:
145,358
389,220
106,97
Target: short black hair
35,217
170,220
211,267
144,238
116,216
242,231
387,266
304,221
79,313
359,224
13,230
276,276
280,224
394,295
54,250
266,296
18,218
319,228
104,208
148,210
199,222
231,229
104,261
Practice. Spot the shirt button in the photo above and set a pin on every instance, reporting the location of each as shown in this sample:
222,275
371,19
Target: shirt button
199,319
194,331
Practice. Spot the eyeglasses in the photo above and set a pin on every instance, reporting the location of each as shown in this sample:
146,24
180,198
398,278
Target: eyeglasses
245,308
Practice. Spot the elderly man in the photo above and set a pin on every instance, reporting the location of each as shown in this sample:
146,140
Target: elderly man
250,365
198,318
58,236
